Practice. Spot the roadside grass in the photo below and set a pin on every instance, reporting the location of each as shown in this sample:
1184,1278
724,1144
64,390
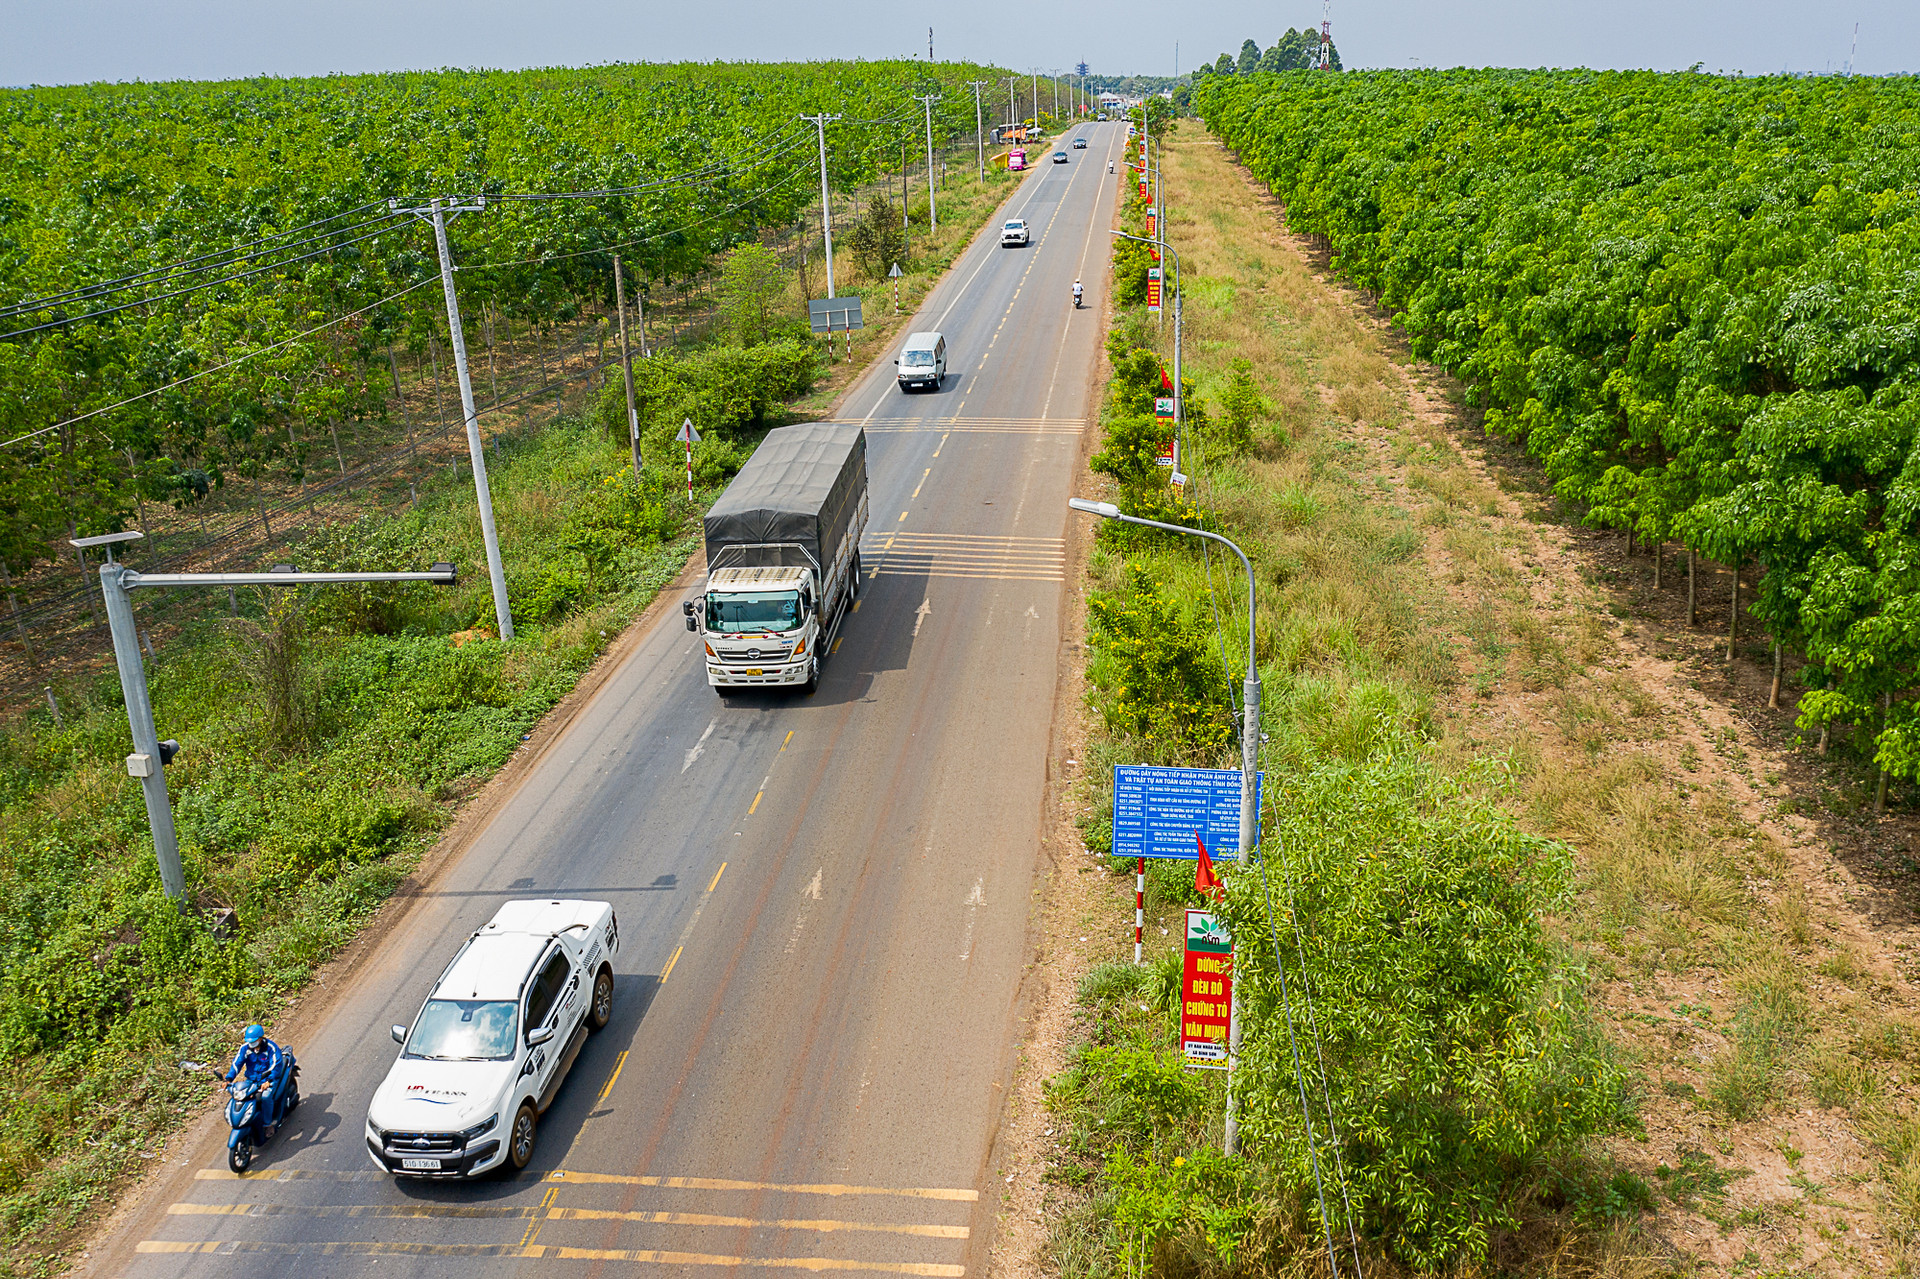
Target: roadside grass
300,831
1407,588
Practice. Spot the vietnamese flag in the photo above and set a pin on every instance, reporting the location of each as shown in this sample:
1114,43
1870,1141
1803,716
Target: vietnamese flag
1166,384
1204,879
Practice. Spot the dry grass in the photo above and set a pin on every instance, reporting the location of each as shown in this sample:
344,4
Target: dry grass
1409,578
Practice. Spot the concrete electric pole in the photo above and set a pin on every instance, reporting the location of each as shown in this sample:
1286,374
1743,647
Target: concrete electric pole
436,212
933,214
826,211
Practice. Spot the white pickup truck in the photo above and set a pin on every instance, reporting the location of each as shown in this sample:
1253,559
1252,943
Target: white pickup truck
493,1041
1012,232
783,558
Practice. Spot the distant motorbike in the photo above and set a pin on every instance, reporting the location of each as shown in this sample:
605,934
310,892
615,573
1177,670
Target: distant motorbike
255,1108
1076,297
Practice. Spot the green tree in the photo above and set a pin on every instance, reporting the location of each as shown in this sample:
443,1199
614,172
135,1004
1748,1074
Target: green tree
878,240
753,286
1249,57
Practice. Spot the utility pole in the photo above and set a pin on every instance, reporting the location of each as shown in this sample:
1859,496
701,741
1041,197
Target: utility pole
929,44
979,127
826,212
151,755
626,363
1036,97
933,214
1013,105
436,213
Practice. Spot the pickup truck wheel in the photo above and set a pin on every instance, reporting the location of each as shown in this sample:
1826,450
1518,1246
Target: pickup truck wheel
520,1139
601,1011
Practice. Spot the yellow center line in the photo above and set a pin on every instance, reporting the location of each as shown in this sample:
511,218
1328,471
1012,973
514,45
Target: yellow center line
942,444
715,881
672,959
903,515
830,652
783,747
922,484
618,1064
538,1252
756,802
533,1226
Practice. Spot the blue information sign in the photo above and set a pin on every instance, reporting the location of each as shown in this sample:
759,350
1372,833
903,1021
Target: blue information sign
1157,811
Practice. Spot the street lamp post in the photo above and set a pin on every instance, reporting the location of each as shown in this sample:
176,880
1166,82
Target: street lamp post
150,755
1249,770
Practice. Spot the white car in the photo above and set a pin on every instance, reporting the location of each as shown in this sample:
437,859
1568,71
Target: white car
1013,232
494,1040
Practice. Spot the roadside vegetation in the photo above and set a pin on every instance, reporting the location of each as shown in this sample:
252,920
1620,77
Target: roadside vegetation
329,735
1572,984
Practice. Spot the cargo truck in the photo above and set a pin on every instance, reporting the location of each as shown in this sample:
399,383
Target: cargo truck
783,558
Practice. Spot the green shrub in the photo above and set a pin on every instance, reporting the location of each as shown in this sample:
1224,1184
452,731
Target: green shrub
1459,1055
1241,405
1153,673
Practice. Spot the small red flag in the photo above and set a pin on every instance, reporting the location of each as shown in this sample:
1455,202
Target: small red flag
1166,384
1204,880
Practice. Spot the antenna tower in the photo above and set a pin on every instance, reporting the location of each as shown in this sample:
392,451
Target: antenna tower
1326,36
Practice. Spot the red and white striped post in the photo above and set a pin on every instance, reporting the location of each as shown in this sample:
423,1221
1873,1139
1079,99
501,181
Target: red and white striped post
1139,906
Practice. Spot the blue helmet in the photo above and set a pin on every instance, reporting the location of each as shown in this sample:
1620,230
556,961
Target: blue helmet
255,1033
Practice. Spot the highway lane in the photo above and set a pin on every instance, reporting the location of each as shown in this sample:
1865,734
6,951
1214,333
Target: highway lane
824,901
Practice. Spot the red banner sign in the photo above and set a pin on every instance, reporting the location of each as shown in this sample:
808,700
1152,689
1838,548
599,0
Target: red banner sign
1206,991
1153,288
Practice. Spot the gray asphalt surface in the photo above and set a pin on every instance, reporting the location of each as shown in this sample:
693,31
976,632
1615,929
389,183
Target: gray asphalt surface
824,902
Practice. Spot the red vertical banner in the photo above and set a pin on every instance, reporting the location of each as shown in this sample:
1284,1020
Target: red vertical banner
1153,288
1150,221
1206,991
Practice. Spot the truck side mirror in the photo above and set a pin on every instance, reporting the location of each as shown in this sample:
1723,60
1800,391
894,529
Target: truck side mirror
693,623
399,1034
686,606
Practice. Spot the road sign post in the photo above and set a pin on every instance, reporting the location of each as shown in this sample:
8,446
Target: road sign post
689,437
1158,811
1206,992
894,275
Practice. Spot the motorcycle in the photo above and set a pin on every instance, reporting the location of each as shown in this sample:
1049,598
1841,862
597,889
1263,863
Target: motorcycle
1076,299
255,1108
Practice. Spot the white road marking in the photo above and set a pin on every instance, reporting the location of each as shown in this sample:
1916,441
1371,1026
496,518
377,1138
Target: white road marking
975,900
699,746
920,615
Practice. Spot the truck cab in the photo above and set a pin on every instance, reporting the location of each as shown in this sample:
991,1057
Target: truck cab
490,1047
783,558
1016,160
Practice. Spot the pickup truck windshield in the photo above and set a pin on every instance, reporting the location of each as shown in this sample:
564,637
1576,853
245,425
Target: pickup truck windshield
463,1030
917,360
1015,226
766,611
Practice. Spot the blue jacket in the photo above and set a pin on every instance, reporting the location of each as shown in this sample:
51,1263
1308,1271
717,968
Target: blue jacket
259,1061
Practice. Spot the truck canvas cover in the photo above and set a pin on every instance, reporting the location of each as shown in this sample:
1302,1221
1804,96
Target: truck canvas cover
801,487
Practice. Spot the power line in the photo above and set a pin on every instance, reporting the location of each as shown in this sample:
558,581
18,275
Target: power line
185,265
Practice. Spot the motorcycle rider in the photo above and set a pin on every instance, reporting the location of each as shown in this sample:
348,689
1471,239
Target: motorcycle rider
1076,295
260,1059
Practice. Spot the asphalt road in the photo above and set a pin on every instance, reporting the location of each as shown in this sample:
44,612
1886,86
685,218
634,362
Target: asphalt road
824,901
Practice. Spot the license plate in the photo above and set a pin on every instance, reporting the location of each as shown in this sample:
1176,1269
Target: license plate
423,1165
753,670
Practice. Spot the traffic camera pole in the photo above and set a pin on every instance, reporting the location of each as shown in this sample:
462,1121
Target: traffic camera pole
148,762
933,214
826,211
626,363
436,213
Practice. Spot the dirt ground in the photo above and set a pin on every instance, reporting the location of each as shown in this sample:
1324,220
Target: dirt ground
1727,865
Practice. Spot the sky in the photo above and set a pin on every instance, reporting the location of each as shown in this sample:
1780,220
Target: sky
73,41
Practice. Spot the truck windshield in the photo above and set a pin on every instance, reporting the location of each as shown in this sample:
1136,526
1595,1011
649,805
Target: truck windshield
766,611
918,360
463,1030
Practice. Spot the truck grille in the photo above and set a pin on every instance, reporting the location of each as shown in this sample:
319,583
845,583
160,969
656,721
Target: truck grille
769,654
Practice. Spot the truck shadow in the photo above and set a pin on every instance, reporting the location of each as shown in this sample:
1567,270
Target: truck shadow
879,637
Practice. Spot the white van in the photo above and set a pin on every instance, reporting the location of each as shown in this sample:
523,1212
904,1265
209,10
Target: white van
923,361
